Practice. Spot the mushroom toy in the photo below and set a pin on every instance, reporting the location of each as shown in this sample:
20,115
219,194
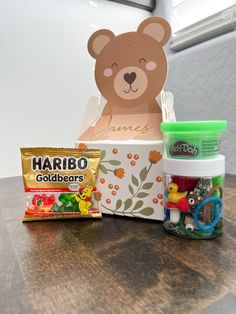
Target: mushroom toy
176,202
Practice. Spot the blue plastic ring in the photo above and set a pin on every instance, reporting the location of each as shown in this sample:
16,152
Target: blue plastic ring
218,205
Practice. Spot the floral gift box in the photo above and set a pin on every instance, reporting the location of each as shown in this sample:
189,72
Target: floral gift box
130,179
124,122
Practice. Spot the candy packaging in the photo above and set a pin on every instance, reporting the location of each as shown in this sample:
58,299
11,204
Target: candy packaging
60,183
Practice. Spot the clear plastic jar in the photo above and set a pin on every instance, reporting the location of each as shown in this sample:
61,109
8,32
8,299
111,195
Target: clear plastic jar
193,197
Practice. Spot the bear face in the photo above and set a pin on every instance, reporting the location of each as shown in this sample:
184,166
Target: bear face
131,68
87,191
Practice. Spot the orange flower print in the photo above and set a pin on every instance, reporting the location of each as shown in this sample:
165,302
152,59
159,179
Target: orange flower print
82,146
158,179
108,201
119,172
97,195
154,156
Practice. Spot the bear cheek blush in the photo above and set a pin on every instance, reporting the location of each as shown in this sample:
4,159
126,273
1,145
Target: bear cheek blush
108,72
151,65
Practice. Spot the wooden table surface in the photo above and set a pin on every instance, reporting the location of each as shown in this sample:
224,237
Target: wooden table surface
116,265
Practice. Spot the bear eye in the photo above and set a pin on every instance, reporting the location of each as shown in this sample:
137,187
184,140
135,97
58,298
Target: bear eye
114,65
142,60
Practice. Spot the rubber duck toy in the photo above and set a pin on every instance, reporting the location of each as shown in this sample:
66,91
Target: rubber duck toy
174,196
177,202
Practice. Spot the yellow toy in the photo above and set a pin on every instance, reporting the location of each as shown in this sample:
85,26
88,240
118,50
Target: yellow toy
84,199
174,196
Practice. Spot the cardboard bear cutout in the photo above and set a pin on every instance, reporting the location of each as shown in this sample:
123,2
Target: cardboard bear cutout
130,72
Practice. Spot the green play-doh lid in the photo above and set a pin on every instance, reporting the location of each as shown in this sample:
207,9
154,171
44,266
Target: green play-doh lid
192,139
194,126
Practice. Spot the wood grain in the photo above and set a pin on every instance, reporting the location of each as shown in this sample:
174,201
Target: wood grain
117,265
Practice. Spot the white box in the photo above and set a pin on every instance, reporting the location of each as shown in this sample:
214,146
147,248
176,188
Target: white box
130,178
130,72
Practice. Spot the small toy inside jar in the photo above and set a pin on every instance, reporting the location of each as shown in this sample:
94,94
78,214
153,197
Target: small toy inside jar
193,197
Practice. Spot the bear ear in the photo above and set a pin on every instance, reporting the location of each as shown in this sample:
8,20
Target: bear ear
98,41
157,28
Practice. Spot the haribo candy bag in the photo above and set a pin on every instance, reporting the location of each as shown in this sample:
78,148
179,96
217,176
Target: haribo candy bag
60,183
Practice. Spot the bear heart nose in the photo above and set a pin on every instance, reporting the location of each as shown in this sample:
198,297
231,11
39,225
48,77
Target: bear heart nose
130,77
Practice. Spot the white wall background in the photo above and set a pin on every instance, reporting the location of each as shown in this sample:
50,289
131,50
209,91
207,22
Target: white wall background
46,73
203,81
